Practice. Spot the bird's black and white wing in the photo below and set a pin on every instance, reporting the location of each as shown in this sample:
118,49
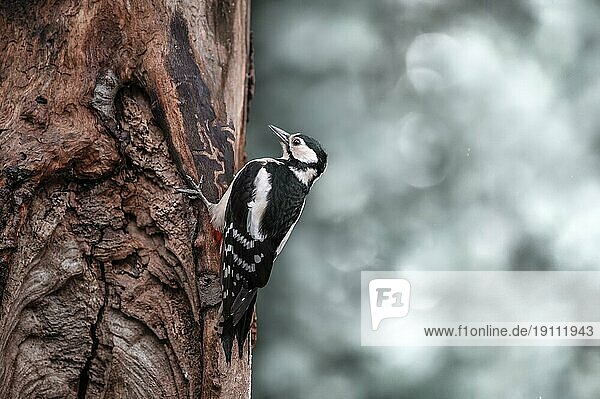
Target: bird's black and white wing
263,207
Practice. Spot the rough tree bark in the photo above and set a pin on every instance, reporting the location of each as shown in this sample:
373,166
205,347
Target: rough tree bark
109,279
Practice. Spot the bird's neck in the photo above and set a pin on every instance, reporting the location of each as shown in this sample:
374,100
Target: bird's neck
305,174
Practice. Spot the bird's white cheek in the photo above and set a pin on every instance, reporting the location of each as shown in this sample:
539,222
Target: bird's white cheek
304,154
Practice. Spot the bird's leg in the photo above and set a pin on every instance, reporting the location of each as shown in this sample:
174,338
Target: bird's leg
196,191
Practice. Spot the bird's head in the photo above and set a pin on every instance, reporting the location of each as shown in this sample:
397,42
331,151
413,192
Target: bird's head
302,152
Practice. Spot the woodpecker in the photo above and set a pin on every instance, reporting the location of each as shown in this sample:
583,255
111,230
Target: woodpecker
256,216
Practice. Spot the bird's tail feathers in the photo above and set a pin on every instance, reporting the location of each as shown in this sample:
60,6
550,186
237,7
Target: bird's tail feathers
227,334
243,328
239,331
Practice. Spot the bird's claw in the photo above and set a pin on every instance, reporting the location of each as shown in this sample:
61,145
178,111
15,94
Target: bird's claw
196,188
196,191
192,182
189,192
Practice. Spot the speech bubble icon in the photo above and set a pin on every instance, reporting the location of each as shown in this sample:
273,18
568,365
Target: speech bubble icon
389,298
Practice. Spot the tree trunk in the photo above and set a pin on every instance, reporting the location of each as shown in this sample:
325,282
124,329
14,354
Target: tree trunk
109,278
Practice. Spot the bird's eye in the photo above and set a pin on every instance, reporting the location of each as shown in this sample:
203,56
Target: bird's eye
296,142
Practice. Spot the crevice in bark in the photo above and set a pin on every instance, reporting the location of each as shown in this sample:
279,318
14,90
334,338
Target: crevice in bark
5,256
84,376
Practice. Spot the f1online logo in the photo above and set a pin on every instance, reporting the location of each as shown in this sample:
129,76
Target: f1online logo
389,298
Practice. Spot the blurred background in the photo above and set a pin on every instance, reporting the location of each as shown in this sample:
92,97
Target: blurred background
462,135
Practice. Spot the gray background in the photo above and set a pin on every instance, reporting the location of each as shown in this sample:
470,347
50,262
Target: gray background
462,135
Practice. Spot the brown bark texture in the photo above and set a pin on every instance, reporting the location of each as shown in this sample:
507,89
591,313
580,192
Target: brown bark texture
109,278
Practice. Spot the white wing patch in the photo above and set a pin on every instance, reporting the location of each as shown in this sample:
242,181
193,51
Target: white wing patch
218,210
258,205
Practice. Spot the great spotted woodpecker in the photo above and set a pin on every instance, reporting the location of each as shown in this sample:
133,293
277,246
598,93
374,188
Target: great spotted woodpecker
256,216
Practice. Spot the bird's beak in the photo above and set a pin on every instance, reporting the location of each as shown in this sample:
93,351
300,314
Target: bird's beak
281,134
